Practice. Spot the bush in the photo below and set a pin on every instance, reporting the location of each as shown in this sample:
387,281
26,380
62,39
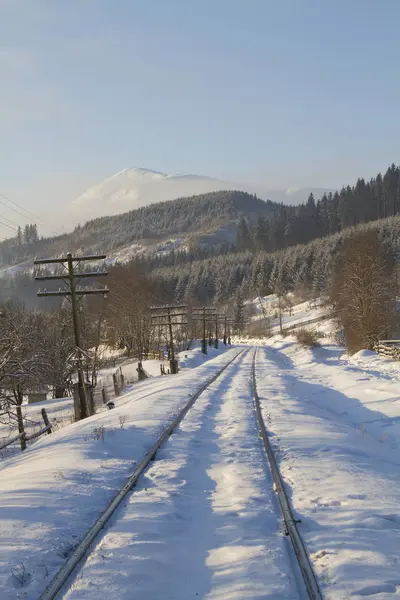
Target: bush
307,338
258,328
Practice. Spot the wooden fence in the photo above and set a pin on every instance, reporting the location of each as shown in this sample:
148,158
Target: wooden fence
389,348
275,328
32,436
108,388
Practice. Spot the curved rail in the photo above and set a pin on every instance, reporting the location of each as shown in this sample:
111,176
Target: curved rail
81,550
311,583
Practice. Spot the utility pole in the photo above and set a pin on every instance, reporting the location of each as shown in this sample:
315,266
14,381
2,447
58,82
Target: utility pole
74,293
227,325
203,314
165,318
225,318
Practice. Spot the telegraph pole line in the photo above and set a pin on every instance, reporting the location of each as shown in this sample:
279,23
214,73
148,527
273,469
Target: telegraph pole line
204,316
165,318
228,321
171,338
225,328
74,294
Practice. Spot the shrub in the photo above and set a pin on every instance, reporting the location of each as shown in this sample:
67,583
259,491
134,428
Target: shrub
307,338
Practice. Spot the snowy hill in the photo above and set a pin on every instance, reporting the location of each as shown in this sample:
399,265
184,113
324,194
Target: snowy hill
133,188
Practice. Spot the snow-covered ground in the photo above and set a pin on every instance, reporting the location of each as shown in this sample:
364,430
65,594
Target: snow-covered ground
61,411
293,311
335,422
51,493
203,520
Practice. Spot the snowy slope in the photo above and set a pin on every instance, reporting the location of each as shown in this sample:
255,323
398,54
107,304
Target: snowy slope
311,314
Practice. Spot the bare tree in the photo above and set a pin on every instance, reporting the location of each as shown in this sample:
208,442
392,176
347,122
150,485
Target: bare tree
57,346
20,361
128,315
95,331
363,291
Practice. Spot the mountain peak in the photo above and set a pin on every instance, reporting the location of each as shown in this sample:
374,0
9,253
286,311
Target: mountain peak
135,187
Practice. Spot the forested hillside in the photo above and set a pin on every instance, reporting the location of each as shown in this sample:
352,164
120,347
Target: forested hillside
365,201
302,267
198,214
273,246
260,225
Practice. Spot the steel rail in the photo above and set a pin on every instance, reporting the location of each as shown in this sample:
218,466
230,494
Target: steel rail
81,550
310,580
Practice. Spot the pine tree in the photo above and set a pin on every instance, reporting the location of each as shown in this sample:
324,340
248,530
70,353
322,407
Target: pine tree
261,235
238,311
243,237
19,237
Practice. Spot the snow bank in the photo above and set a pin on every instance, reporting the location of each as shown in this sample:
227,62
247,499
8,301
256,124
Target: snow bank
335,423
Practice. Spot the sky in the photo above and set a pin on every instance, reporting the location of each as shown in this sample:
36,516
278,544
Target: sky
285,93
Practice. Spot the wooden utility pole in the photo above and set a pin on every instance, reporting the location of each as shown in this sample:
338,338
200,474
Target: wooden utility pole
165,318
216,331
74,293
227,321
203,314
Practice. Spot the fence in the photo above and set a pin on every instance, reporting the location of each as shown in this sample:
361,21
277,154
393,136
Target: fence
108,388
390,348
27,438
111,386
305,323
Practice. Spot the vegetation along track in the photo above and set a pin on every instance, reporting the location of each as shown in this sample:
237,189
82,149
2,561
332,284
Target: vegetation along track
59,582
302,557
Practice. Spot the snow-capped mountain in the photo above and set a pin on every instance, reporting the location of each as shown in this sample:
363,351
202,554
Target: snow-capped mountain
132,188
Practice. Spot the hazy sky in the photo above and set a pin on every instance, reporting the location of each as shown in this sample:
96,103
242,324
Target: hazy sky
280,92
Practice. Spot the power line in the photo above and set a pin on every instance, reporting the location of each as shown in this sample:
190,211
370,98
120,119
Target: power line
25,216
133,294
9,220
8,226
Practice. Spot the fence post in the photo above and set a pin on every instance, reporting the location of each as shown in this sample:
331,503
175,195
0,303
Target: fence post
116,387
46,420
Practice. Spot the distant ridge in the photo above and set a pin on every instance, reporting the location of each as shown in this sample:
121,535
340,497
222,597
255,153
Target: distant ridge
135,187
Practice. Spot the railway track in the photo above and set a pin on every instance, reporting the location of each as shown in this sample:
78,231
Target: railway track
81,551
63,579
303,560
